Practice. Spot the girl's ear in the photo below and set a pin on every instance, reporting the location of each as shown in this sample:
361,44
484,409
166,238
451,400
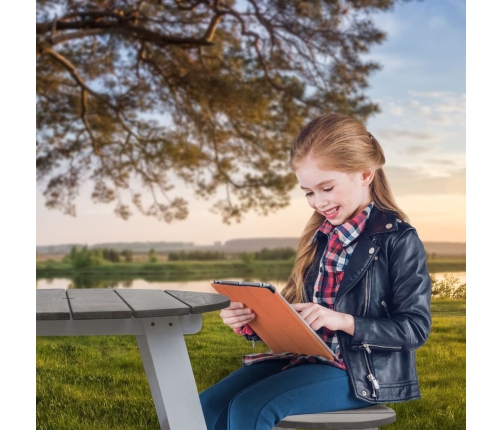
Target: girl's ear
368,176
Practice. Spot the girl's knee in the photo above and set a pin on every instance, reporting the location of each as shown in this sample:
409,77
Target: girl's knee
213,411
249,413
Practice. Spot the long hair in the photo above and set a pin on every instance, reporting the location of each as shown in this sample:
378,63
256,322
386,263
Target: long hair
340,143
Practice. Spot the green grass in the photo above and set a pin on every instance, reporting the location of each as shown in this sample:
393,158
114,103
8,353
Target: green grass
98,382
441,364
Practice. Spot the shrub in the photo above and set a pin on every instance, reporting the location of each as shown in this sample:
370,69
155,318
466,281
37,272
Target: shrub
152,256
111,255
196,256
85,257
448,287
275,254
49,264
127,254
248,258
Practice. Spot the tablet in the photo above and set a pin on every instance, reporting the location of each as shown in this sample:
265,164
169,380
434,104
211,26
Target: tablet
279,325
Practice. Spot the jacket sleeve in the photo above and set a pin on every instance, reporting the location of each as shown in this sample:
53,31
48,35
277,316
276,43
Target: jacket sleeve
410,322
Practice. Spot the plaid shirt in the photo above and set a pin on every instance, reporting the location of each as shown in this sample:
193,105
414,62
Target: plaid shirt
341,244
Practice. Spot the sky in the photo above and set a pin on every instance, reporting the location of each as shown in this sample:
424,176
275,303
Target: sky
421,90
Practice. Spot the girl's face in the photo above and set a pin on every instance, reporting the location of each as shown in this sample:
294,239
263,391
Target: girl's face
339,196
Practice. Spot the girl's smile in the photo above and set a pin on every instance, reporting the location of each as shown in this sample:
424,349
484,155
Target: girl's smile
338,196
331,213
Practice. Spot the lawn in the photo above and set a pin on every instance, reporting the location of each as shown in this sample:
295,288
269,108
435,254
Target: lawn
98,382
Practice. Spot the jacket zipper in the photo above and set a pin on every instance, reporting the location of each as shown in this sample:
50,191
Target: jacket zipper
371,378
366,346
385,307
366,298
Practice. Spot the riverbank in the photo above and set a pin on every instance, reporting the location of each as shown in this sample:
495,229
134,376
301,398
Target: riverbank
280,269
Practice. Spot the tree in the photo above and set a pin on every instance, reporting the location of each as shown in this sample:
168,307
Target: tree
208,92
127,254
111,255
85,257
152,256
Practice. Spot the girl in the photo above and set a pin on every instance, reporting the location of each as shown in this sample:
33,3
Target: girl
360,280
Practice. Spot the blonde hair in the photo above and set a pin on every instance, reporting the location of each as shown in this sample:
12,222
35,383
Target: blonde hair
341,143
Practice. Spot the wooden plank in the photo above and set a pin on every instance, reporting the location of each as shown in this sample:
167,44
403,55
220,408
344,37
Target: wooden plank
96,303
152,303
201,302
52,304
364,418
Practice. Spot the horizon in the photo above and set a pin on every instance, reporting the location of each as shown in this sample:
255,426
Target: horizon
205,244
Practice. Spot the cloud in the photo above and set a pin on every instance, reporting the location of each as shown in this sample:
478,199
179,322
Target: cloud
416,150
438,106
399,134
392,63
396,110
442,162
407,181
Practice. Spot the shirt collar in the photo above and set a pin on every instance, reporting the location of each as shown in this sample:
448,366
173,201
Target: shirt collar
348,231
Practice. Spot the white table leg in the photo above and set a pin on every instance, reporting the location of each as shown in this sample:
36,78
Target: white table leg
170,376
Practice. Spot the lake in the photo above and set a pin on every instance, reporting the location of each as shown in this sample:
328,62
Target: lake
201,286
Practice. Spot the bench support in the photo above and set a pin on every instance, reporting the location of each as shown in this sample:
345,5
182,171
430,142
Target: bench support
170,377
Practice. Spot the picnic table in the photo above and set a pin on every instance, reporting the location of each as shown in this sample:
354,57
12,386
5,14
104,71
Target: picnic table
159,320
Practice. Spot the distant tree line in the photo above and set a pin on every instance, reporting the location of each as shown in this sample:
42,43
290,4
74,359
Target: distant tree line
196,256
269,254
264,254
85,257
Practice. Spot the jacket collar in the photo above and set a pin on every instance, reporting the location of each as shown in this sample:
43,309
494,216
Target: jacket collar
381,222
347,232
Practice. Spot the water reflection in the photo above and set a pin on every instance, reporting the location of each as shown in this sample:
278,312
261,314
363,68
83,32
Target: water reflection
199,285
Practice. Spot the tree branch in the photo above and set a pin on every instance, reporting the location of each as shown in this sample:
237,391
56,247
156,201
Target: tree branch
76,35
120,25
95,145
71,68
84,91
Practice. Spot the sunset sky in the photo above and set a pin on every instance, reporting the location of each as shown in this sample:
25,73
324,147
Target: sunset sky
421,91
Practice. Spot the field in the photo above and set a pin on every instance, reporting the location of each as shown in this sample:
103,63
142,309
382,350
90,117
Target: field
98,382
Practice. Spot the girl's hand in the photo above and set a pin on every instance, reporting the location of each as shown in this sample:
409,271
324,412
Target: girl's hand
317,316
236,315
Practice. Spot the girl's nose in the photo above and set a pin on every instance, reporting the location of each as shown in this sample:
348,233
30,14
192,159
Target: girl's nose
321,203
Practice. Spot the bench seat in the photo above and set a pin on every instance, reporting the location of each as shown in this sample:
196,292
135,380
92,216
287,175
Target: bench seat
369,418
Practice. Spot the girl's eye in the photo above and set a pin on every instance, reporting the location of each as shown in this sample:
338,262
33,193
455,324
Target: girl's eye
309,194
327,190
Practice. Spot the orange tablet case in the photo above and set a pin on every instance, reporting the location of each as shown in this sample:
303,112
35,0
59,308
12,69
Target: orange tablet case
277,323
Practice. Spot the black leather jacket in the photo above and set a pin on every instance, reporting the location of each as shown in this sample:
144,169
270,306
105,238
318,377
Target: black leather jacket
387,288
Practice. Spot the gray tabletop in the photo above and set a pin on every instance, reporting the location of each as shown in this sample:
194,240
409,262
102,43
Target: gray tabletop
98,303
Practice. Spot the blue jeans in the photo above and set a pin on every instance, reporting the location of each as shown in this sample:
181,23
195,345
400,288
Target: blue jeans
259,396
